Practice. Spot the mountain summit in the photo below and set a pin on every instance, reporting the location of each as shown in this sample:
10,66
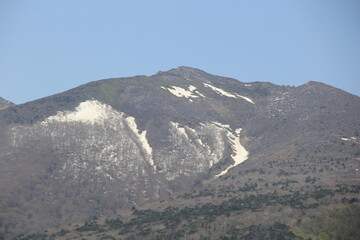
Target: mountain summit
124,142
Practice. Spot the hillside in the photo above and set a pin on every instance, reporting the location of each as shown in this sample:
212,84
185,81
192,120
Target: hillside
192,154
4,104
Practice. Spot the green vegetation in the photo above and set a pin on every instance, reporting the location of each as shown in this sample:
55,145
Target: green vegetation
34,236
202,218
90,226
114,223
278,231
339,223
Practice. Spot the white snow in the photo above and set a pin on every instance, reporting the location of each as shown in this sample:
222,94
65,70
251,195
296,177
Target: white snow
220,91
189,93
90,111
222,125
142,137
205,143
245,98
180,129
181,92
192,131
192,88
351,139
247,85
227,94
239,152
200,94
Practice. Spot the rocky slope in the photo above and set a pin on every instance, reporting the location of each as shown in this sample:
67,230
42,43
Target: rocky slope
124,142
4,104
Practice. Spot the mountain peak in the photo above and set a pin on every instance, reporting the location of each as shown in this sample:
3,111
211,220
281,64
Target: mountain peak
183,71
321,87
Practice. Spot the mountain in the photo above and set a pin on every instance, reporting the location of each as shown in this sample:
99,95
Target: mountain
178,138
4,103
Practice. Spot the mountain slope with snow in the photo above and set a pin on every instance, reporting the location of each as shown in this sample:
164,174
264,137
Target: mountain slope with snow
123,142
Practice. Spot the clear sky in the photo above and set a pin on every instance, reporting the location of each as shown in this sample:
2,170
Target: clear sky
47,47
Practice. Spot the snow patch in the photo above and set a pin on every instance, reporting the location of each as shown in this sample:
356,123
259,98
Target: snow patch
224,126
351,139
220,91
239,154
205,143
227,94
90,111
247,85
200,94
245,98
192,133
181,92
192,88
180,129
142,137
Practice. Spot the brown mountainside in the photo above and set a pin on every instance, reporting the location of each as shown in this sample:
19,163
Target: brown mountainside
196,156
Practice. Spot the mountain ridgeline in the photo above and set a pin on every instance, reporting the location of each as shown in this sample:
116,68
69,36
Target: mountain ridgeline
178,138
4,103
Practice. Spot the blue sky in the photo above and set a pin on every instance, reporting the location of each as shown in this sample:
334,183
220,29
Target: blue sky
47,47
